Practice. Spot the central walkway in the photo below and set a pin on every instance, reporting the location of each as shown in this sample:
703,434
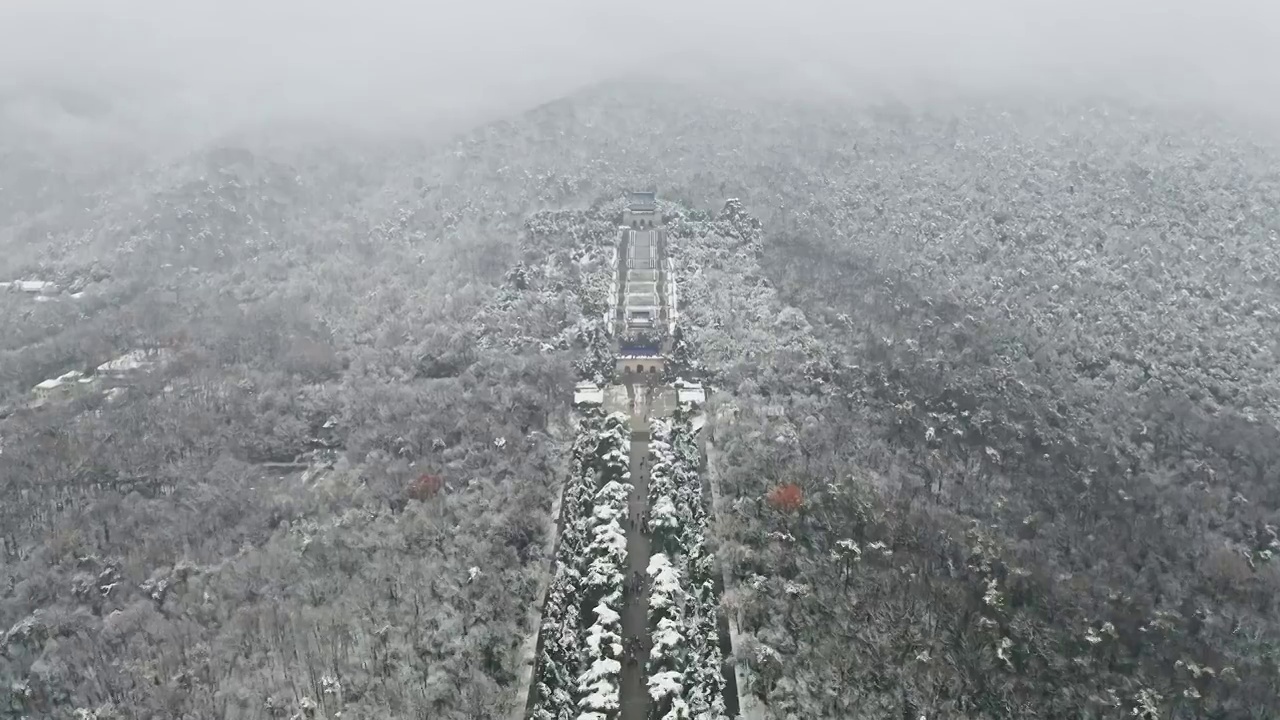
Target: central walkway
634,693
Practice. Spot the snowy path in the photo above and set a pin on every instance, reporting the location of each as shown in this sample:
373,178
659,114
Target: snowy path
749,707
529,648
634,695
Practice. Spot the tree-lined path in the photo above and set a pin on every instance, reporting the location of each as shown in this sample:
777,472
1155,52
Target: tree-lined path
634,695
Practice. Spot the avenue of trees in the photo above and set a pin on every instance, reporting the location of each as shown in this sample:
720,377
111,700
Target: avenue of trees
684,669
579,662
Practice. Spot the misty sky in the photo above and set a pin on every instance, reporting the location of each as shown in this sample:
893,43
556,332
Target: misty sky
396,63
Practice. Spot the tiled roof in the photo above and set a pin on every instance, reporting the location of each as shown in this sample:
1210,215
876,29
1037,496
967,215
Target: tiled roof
642,201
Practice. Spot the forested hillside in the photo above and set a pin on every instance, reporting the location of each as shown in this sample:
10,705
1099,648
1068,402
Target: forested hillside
996,408
939,571
157,564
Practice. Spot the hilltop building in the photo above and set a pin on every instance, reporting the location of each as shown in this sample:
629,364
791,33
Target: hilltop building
642,211
641,317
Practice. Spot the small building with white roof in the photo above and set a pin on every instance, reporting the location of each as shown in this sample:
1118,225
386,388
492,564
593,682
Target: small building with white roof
43,287
687,392
131,362
588,393
61,385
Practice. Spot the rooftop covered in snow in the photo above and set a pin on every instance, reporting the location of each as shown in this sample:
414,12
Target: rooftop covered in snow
588,393
687,392
642,201
33,286
129,362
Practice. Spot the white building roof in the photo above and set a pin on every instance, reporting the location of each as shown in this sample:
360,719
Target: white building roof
33,285
49,384
588,393
642,200
691,393
126,362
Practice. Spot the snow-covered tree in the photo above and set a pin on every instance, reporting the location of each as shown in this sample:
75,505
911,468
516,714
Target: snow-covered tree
684,677
590,564
602,584
664,521
607,553
558,663
599,684
666,666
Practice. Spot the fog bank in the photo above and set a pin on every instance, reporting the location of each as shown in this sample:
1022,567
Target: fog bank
173,69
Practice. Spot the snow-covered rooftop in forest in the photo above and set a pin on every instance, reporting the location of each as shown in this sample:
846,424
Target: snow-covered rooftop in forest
691,393
642,200
33,286
128,362
588,393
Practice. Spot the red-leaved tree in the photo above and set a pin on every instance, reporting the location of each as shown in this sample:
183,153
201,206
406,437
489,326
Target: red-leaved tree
787,497
425,487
